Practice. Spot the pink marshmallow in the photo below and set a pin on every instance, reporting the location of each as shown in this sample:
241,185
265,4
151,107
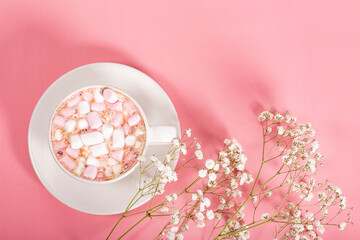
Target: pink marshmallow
72,152
67,112
98,107
134,119
74,101
127,129
100,176
90,172
59,121
87,96
110,96
130,157
130,107
59,145
117,120
68,162
94,120
116,106
118,155
129,160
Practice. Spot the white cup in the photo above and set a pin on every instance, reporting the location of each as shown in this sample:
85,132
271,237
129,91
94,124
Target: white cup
155,135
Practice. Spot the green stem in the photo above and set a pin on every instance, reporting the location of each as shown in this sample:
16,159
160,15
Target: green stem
133,226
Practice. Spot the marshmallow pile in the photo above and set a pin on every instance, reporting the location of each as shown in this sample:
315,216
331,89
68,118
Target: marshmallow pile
98,133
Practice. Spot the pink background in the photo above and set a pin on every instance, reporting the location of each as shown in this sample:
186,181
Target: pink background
221,62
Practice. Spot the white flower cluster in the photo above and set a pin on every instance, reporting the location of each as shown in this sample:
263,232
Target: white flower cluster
298,151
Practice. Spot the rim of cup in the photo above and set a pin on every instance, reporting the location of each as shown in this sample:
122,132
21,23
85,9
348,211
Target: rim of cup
122,176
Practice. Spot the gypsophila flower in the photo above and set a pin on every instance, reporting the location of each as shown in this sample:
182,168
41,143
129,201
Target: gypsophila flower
212,176
167,158
174,218
202,173
310,216
280,130
201,224
179,236
170,235
176,142
342,226
209,164
174,229
194,197
223,178
207,202
164,209
183,150
200,216
210,214
199,154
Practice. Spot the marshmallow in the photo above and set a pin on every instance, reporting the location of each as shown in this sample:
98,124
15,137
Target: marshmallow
82,159
72,152
134,119
92,161
87,96
118,155
70,125
82,124
108,172
90,172
116,106
100,176
131,156
58,135
130,140
98,150
139,132
107,131
94,120
75,142
59,145
67,112
98,107
127,129
80,168
68,162
130,107
112,162
73,102
98,96
117,169
118,139
92,138
117,120
83,107
110,96
59,121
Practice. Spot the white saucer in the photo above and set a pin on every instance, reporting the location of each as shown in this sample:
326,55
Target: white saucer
102,199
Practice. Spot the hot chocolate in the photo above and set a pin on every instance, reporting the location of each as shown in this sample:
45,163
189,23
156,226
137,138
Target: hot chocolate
98,133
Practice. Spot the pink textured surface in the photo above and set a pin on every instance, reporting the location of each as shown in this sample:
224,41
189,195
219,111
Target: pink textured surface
220,62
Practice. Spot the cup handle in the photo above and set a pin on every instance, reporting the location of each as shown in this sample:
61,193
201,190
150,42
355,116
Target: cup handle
161,134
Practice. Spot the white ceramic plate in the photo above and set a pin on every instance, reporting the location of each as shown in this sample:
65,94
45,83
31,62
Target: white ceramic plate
101,199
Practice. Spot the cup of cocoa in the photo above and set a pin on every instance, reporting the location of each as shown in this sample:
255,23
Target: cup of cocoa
98,134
